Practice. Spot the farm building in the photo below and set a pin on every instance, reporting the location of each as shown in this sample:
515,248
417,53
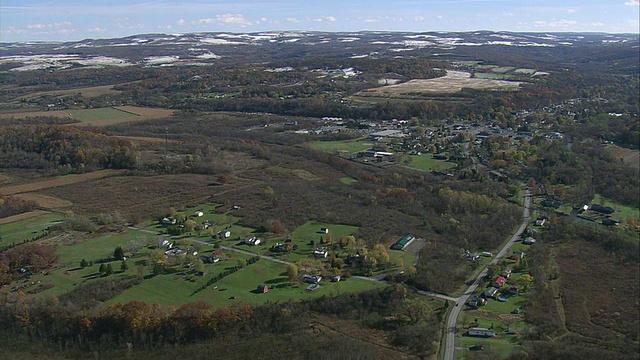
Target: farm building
198,214
482,332
279,247
529,241
324,230
252,240
211,259
403,242
321,253
540,221
313,279
490,292
224,234
169,221
262,289
602,209
498,282
610,222
471,256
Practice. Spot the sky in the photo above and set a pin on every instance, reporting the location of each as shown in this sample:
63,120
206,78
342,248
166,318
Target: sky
66,20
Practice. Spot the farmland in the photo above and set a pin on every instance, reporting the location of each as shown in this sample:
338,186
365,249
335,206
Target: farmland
341,147
452,83
98,116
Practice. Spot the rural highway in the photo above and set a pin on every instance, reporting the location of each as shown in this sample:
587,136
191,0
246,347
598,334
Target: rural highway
452,319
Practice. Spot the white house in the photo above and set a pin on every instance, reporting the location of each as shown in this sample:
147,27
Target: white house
483,332
320,253
198,213
252,240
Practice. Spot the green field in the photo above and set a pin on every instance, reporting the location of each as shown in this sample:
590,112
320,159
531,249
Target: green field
493,76
426,162
341,147
348,180
99,114
243,284
622,212
18,231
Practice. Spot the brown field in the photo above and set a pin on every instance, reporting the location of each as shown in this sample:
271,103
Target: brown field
44,201
59,181
24,114
92,91
453,82
142,113
152,140
143,197
22,216
628,156
4,177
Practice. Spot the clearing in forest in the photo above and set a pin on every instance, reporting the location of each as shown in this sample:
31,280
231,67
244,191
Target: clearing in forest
451,83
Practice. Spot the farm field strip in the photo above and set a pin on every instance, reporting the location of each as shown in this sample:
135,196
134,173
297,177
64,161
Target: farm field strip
23,216
59,181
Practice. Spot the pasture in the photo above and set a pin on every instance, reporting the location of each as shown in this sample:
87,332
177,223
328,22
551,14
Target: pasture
426,162
341,147
26,228
98,115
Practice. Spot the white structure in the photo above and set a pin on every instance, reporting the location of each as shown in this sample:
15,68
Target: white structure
484,332
320,253
198,213
252,240
312,279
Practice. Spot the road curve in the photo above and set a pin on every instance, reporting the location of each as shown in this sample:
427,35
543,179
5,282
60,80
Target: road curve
452,319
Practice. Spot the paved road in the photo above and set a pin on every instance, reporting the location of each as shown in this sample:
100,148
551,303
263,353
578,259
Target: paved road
452,319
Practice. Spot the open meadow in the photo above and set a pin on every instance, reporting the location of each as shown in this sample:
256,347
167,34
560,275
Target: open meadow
453,82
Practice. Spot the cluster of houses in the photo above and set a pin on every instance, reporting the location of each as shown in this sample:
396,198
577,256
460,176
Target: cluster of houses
496,290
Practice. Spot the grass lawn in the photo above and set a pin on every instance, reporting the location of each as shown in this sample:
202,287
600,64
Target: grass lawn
622,212
343,146
175,288
243,284
502,346
303,235
218,221
18,231
348,180
99,114
396,255
426,162
98,248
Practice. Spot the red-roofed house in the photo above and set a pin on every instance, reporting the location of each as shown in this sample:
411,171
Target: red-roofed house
499,281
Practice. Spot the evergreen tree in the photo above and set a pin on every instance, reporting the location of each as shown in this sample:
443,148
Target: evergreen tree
118,253
102,268
124,266
84,263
